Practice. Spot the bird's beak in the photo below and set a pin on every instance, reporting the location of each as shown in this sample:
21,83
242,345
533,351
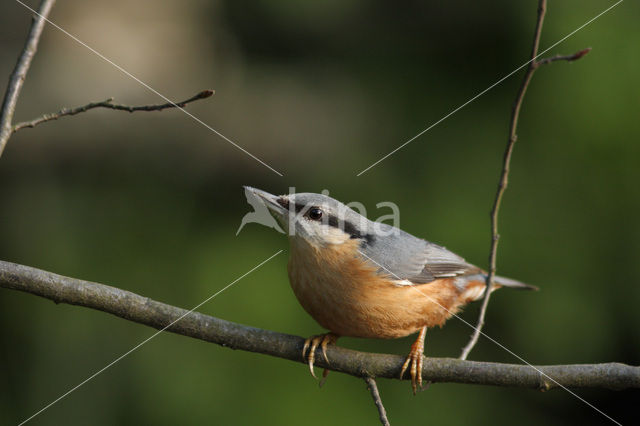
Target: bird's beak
270,200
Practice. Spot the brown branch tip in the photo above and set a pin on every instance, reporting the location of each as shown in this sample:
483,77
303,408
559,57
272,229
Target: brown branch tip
579,54
567,58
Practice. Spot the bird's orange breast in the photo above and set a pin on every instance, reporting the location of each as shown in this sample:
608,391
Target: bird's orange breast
345,295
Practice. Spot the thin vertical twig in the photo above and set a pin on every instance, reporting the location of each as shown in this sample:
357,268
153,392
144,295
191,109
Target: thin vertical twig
20,72
504,177
373,388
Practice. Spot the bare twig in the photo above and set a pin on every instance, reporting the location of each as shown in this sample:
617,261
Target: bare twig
373,388
568,58
504,177
20,72
110,105
143,310
7,128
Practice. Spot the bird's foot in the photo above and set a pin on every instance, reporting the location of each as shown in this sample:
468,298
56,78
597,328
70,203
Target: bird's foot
415,360
311,344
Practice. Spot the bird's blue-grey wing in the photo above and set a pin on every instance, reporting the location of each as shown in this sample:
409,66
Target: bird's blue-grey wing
405,257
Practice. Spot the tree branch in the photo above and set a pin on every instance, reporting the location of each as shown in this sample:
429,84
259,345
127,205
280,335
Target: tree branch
504,177
20,72
568,58
143,310
373,388
110,105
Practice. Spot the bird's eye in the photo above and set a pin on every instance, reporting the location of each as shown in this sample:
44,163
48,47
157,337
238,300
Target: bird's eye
315,214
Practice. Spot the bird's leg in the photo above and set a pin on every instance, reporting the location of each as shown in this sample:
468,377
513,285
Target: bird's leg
415,358
312,344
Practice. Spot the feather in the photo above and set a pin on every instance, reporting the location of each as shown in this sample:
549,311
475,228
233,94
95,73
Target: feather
404,257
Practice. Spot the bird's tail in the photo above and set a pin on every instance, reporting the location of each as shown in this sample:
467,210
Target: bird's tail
473,286
508,282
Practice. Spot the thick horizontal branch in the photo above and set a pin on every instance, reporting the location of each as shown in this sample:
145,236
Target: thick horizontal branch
143,310
64,112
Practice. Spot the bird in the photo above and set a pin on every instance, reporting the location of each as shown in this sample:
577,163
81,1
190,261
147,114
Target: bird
366,279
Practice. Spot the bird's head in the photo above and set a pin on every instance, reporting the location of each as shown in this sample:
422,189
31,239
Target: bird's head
316,218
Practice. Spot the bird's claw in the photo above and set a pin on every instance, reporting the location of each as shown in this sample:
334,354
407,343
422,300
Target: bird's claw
415,359
311,344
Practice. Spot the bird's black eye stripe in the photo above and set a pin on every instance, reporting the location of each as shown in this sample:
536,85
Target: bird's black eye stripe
317,214
350,229
283,202
297,207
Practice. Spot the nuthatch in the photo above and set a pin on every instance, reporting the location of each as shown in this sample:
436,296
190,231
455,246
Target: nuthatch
360,278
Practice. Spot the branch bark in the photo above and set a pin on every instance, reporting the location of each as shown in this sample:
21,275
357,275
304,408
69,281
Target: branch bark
16,81
20,72
375,394
140,309
534,64
108,103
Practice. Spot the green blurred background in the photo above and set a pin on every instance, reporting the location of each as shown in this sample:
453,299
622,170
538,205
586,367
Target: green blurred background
150,202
